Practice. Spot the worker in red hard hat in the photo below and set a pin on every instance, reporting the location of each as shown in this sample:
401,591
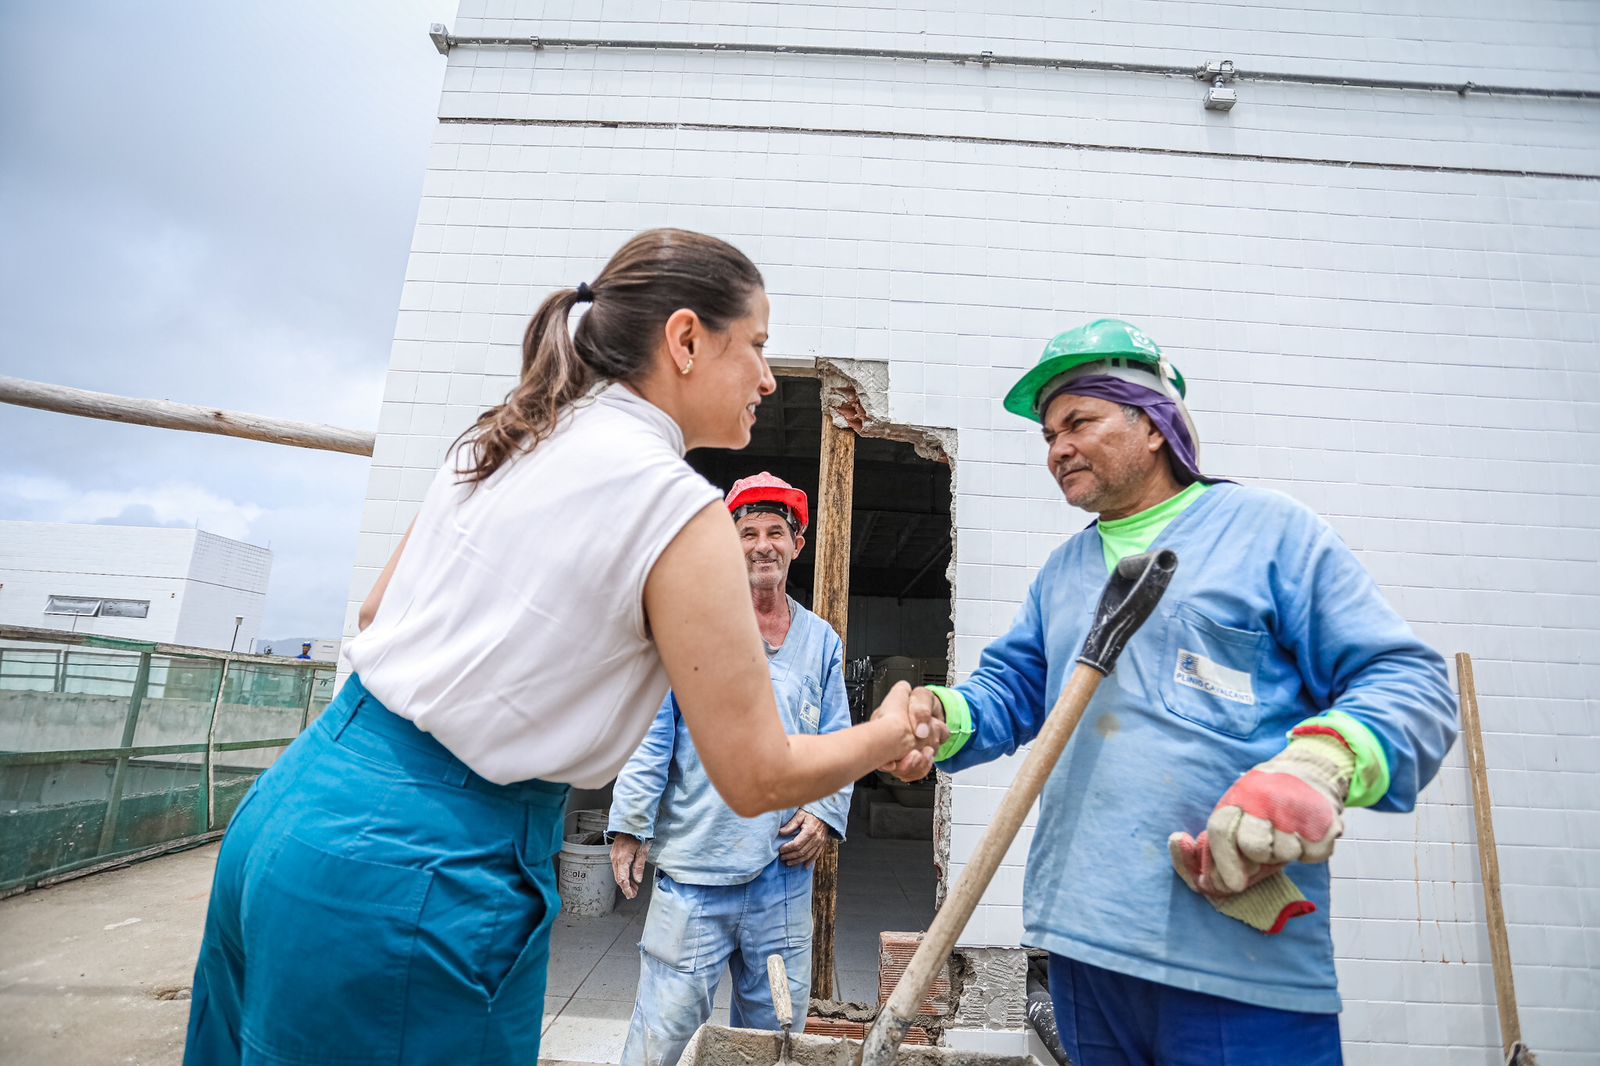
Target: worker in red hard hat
766,493
730,892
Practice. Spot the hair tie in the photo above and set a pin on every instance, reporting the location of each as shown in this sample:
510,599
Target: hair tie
585,294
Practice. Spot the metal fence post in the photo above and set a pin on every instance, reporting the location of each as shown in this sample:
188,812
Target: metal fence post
61,671
310,677
208,780
130,726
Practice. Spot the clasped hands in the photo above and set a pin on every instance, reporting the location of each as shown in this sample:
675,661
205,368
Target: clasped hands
925,715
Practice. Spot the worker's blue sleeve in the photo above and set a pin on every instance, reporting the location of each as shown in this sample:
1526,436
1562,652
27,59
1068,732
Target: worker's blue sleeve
636,796
1358,656
834,809
1005,695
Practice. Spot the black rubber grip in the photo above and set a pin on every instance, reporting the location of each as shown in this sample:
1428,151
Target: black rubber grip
1131,593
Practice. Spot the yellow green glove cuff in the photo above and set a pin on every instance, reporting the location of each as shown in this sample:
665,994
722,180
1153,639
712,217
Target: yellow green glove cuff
957,716
1371,779
1266,906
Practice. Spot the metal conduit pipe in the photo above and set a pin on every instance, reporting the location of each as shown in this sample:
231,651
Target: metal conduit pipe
444,41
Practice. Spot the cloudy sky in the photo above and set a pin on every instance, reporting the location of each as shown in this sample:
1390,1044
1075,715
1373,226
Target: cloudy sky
210,203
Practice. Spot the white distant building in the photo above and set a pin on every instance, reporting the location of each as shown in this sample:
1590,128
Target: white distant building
175,586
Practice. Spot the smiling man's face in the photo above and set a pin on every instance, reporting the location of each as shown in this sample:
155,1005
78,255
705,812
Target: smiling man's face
769,547
1102,460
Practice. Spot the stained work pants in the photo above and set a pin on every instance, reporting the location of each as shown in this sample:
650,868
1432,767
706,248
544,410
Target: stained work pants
692,932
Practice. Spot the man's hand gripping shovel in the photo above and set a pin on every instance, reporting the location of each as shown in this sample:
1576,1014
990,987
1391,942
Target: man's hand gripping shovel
1130,596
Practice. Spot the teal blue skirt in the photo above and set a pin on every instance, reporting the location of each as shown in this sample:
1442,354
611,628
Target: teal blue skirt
376,902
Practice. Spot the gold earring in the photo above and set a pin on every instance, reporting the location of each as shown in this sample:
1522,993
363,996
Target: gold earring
687,366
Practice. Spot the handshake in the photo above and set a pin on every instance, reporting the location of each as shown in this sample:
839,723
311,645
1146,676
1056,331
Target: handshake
917,716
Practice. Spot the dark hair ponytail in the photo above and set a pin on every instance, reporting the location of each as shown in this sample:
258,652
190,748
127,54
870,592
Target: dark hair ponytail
655,274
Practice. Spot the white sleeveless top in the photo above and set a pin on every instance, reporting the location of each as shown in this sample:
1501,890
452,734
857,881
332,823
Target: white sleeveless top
513,627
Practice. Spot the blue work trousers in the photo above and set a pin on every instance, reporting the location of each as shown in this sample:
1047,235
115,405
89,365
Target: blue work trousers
376,903
692,932
1110,1019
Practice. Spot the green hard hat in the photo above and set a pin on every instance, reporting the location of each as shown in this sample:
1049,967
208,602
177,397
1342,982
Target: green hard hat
1105,340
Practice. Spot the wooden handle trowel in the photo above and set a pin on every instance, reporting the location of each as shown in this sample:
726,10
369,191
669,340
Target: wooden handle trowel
782,1005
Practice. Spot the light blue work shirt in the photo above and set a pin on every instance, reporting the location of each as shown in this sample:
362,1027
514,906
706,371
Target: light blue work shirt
1269,620
664,795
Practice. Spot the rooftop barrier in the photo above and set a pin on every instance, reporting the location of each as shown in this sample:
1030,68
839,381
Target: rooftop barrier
113,750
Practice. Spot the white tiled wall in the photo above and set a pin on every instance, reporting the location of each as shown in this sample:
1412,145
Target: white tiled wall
1411,353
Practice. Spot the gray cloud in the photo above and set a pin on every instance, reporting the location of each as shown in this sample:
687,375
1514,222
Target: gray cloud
210,203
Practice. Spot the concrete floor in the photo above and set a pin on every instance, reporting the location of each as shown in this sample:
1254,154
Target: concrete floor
594,962
97,970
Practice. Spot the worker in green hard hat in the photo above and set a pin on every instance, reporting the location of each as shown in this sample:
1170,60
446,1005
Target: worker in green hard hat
1270,631
1115,362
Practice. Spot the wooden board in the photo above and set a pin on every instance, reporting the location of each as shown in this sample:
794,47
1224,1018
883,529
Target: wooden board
830,600
164,414
1505,991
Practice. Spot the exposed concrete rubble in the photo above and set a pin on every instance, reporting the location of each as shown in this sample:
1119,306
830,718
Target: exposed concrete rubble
943,799
715,1045
856,393
845,1012
991,987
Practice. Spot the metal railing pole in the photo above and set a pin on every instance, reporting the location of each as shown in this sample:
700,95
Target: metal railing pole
130,726
208,779
311,694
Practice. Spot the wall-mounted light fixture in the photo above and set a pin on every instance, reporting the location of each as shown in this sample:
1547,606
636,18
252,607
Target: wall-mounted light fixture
1221,96
440,37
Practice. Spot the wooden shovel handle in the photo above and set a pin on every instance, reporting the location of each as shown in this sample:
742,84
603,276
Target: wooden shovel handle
940,940
1135,587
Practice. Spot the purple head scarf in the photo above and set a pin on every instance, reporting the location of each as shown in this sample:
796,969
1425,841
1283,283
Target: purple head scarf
1170,419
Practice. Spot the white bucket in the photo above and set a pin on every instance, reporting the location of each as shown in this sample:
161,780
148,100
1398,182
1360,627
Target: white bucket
587,888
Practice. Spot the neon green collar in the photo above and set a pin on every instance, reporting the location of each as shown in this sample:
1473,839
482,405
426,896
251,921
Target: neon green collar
1122,537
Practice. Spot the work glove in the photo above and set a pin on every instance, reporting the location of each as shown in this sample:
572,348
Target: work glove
1288,809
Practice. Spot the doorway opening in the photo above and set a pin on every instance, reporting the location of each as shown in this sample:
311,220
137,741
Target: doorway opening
898,628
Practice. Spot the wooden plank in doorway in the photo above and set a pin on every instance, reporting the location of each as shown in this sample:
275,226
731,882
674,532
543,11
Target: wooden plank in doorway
830,600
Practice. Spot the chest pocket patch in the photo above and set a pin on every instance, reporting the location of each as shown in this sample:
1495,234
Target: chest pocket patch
1196,671
1210,672
810,715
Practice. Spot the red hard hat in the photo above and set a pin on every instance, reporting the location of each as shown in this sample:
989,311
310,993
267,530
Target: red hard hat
770,489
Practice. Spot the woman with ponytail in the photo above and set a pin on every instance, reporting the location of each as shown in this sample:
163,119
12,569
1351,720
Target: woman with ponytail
386,890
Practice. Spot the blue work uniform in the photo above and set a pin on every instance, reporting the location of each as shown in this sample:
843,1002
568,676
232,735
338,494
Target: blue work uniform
1270,620
722,896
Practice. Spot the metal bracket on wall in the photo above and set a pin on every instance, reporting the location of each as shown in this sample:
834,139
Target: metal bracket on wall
1222,95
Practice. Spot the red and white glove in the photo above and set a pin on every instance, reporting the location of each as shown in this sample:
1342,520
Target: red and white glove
1288,809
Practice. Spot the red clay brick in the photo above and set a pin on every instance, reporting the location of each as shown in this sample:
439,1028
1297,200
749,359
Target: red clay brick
858,1030
894,955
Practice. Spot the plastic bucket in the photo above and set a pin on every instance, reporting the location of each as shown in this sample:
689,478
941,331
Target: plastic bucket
587,888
